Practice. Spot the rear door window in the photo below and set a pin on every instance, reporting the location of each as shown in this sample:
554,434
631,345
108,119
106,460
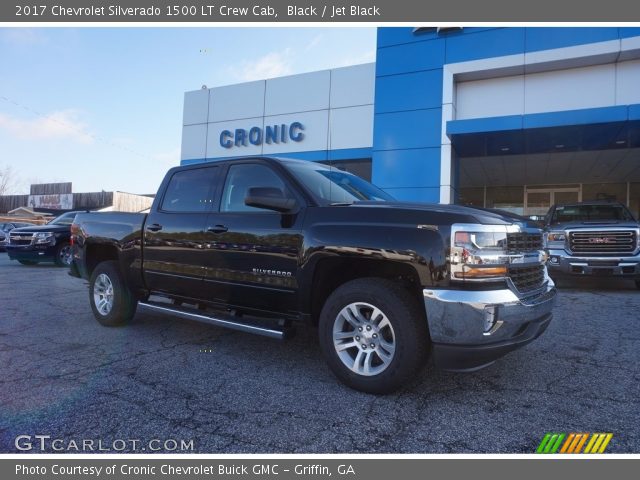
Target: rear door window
191,190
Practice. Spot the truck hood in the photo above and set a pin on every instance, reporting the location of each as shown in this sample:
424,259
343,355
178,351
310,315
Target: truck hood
591,225
43,228
481,216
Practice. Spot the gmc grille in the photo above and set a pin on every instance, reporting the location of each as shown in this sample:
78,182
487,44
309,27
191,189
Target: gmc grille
526,279
603,242
522,242
20,239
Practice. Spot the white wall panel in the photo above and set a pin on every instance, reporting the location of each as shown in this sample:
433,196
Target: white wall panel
194,141
233,102
628,83
297,93
214,149
196,105
351,127
353,85
572,89
316,126
493,97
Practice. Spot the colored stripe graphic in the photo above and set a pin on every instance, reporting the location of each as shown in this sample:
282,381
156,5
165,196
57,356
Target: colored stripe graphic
591,442
606,441
597,443
581,442
550,443
568,442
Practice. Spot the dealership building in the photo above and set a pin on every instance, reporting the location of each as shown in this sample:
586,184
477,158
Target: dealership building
511,118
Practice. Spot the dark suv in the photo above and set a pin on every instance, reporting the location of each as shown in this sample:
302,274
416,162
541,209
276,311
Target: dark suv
43,243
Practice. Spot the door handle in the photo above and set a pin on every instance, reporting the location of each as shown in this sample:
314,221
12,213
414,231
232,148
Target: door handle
217,229
154,227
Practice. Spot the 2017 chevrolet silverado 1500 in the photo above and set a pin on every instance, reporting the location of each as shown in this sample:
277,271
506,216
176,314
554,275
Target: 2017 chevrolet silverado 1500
258,244
593,238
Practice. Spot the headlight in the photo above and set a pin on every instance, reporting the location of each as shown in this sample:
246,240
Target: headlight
43,237
479,253
556,237
481,240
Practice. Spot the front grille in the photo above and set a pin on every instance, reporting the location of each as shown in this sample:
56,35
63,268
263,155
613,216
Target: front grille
523,242
20,239
603,242
526,279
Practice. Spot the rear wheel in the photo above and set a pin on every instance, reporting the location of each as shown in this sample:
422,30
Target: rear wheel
638,284
111,300
373,335
27,262
63,254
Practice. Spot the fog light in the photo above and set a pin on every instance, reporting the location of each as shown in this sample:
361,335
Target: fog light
491,322
554,260
490,317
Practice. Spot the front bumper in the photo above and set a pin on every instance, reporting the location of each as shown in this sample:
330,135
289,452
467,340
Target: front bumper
36,253
458,319
561,262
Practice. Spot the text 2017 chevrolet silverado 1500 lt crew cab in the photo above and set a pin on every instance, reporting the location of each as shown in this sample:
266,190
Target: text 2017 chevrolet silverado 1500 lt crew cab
258,244
593,238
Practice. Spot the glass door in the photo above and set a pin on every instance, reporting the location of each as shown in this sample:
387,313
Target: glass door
537,201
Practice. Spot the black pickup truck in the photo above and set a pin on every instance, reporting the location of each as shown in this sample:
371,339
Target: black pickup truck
262,244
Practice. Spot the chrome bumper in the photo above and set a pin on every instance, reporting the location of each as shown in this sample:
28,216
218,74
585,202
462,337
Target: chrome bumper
470,329
560,261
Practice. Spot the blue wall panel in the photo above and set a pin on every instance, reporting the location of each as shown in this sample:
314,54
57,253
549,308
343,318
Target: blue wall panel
489,124
626,32
544,38
411,57
409,91
576,117
397,36
407,168
411,129
426,194
483,44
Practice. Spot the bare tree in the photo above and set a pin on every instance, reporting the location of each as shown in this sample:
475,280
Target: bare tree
8,181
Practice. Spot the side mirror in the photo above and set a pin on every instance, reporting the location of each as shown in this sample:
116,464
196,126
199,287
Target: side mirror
269,198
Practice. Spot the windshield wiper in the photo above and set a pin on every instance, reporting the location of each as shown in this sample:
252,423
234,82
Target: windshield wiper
340,204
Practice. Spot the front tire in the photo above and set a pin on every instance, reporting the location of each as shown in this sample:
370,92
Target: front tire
373,335
111,300
63,254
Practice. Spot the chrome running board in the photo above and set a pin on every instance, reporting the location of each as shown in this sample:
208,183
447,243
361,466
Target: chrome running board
227,322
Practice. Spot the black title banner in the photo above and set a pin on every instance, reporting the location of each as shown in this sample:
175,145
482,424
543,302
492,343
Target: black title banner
376,11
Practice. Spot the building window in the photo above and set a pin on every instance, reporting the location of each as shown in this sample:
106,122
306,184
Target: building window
359,166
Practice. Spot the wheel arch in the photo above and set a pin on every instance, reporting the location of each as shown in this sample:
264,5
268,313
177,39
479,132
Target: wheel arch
332,272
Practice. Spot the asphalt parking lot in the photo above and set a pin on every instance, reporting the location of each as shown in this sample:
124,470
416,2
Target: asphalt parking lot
65,376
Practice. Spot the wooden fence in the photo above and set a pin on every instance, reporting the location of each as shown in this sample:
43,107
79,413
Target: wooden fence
121,201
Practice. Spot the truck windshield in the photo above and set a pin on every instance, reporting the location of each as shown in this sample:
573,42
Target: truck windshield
64,219
333,185
590,213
